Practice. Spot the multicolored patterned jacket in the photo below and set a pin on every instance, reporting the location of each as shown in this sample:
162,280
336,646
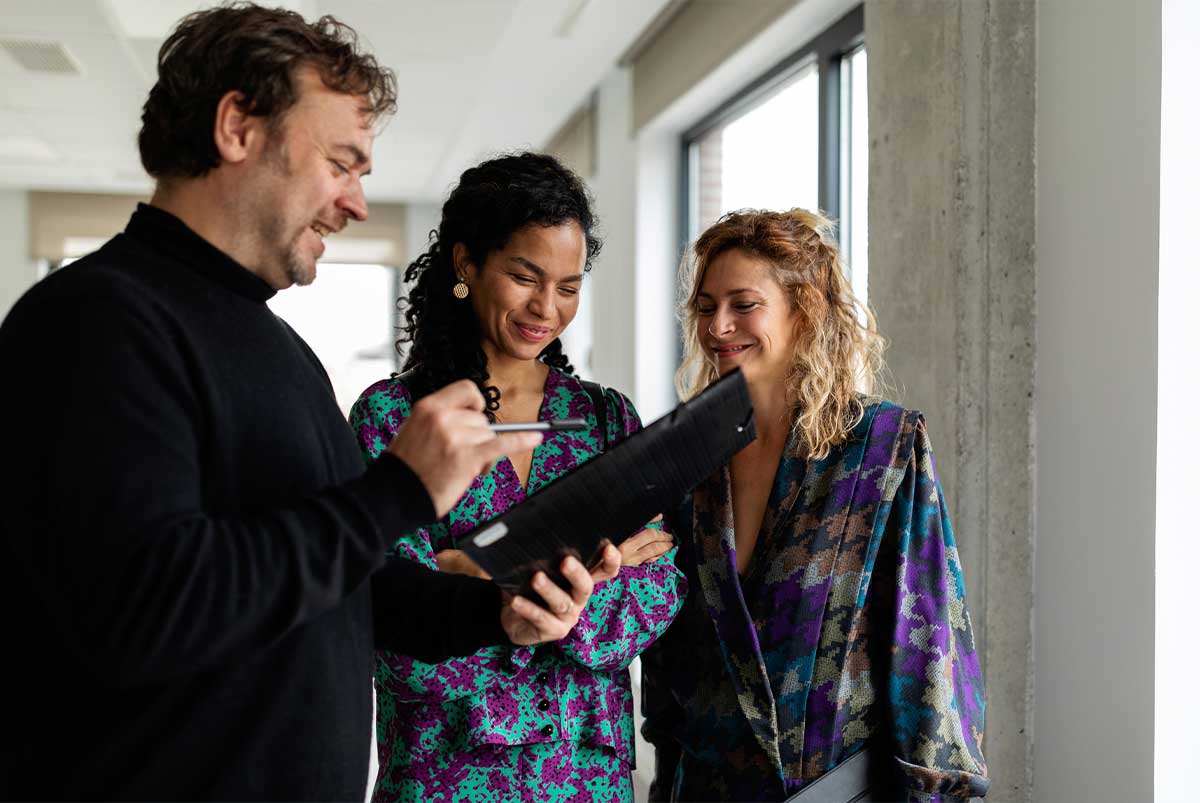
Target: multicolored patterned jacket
432,716
850,628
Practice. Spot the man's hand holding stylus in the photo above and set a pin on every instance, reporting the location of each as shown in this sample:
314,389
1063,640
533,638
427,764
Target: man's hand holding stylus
447,443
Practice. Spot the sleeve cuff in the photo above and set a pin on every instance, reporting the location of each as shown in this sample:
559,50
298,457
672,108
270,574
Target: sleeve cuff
395,495
478,623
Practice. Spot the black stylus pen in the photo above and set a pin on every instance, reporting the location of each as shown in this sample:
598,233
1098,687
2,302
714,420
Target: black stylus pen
553,425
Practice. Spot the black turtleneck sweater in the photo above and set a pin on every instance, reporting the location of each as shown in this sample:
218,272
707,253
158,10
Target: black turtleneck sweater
189,544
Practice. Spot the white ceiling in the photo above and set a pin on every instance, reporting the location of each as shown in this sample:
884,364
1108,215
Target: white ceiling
475,77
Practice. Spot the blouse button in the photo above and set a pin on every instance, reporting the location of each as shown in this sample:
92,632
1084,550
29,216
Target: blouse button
543,705
549,729
543,677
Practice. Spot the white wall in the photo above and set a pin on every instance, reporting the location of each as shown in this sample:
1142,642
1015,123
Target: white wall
614,278
1177,551
419,220
1098,228
657,228
17,271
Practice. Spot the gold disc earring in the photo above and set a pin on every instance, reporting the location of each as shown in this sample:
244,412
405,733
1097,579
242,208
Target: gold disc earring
461,290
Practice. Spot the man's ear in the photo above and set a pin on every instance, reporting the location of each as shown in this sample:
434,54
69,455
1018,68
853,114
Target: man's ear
235,132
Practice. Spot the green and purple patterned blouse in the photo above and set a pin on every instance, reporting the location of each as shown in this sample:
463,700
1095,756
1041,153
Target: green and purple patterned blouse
550,722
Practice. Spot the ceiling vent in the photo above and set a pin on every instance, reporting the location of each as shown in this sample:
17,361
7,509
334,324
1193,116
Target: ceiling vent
50,58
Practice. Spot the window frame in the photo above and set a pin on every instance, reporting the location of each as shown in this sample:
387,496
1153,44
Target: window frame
826,50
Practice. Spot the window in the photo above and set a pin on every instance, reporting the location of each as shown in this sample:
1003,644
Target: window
348,317
797,136
853,212
765,158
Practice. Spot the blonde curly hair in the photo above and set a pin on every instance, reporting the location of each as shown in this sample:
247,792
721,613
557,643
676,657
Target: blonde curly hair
839,353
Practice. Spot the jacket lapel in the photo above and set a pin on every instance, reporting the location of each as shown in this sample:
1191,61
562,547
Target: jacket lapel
804,572
716,563
841,686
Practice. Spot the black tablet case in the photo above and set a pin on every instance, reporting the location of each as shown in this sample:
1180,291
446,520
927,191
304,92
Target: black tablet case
867,776
612,496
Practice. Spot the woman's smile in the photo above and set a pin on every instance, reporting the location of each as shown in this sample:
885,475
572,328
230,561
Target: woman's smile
532,332
728,351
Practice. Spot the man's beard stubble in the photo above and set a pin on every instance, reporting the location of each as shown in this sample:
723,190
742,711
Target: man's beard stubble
297,271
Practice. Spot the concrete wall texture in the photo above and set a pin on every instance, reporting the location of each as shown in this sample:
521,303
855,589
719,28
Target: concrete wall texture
952,109
1015,167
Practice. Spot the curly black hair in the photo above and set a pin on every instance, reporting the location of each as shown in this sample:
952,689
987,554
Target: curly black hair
492,201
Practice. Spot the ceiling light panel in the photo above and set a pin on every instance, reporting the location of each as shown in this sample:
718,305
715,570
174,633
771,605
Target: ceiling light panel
41,56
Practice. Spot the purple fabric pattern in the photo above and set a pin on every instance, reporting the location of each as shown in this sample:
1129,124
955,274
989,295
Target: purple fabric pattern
849,628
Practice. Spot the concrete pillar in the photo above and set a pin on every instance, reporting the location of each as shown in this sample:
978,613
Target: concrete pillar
952,110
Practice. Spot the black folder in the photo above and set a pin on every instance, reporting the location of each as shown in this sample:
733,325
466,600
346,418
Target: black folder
612,496
867,776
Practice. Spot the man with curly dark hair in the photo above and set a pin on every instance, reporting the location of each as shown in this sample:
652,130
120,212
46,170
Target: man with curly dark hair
192,550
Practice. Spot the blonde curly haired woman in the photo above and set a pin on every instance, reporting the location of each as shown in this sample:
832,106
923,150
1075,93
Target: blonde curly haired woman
827,613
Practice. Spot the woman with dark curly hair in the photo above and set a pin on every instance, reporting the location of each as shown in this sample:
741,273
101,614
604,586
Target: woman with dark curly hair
498,285
827,612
